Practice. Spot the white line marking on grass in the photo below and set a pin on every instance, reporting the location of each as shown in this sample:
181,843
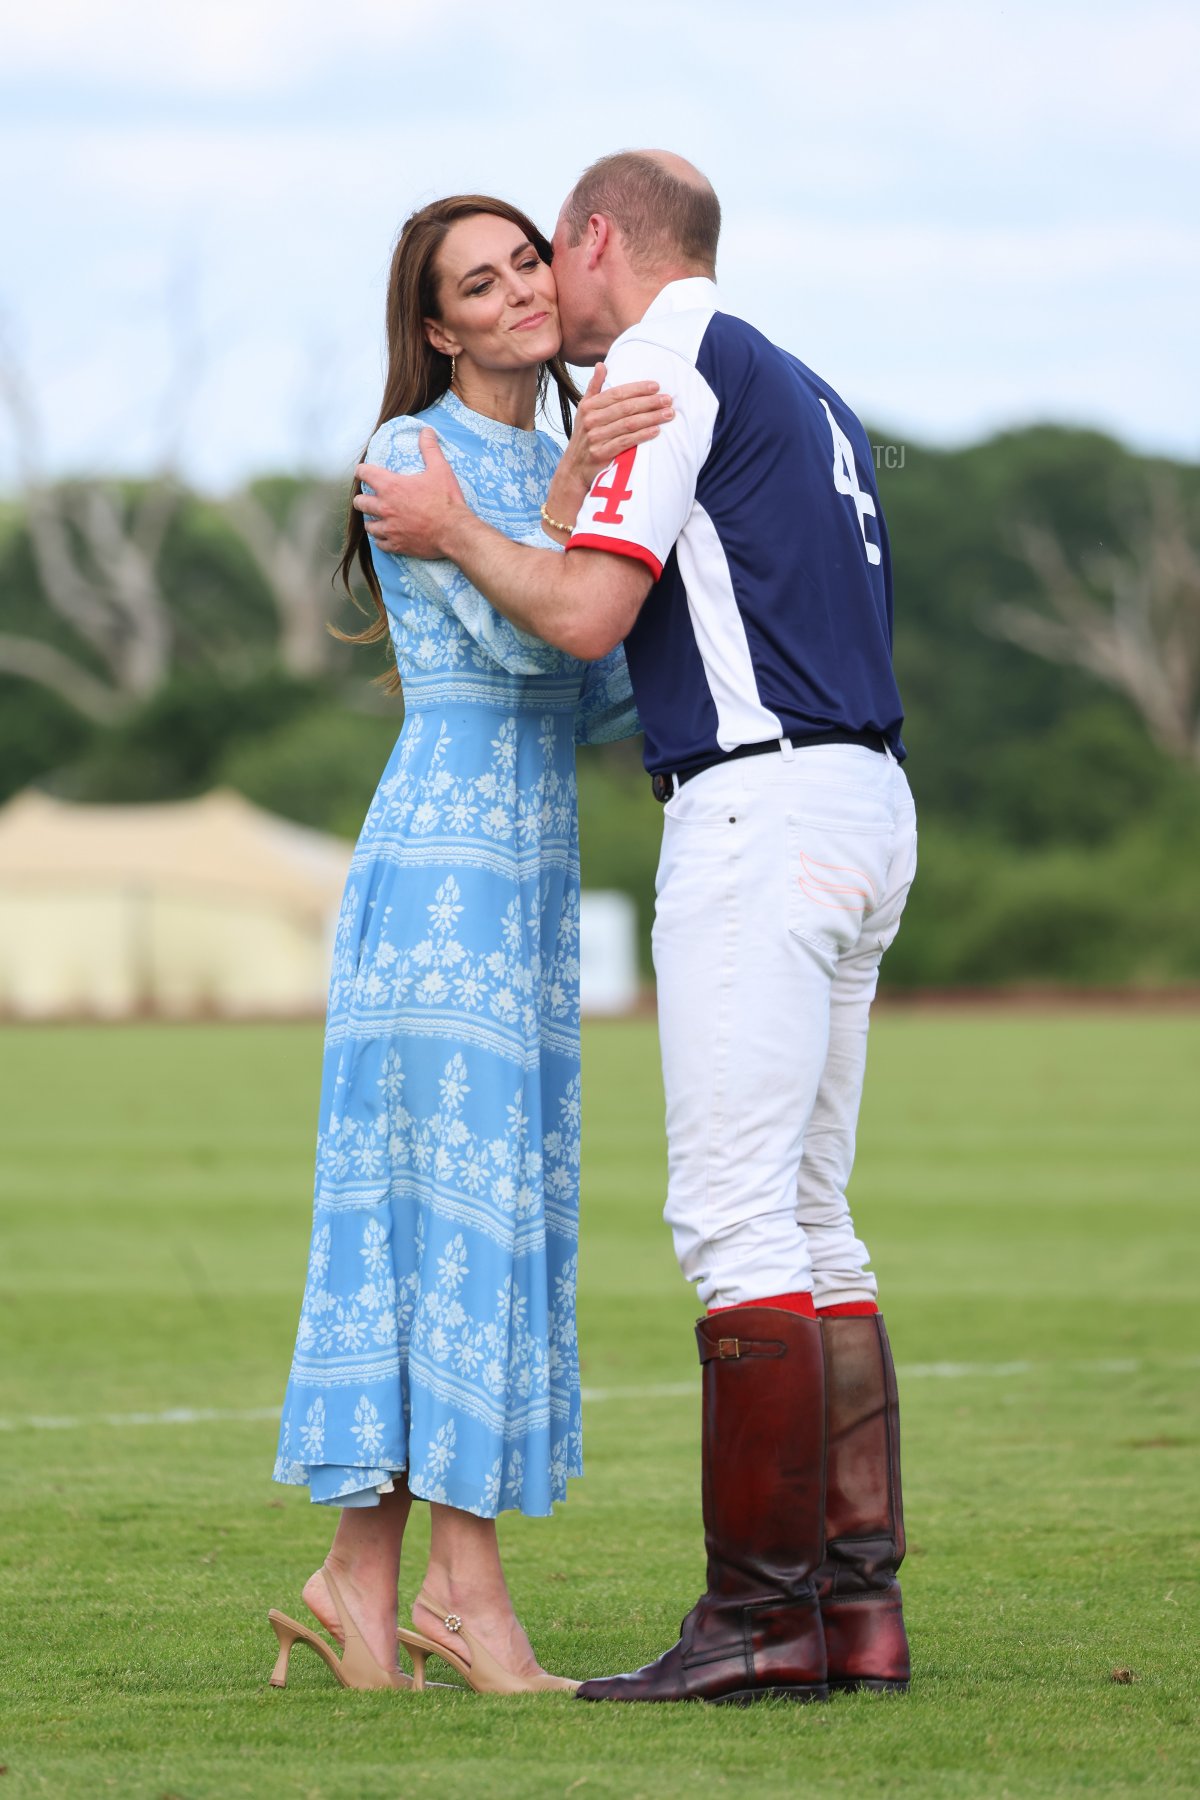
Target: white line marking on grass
666,1390
1108,1365
956,1371
663,1390
175,1415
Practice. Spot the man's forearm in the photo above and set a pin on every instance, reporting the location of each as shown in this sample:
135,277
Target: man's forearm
544,592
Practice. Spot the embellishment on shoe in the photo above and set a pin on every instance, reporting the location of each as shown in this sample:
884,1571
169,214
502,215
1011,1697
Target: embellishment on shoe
727,1347
452,1622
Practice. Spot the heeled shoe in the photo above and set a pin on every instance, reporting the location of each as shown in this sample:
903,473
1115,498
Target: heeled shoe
356,1668
482,1673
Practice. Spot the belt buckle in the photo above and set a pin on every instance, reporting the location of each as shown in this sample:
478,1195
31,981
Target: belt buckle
728,1348
662,787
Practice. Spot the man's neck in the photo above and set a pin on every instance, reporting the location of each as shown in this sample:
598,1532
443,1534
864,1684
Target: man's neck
638,294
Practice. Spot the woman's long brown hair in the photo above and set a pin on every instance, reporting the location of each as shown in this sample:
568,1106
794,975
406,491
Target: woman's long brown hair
417,374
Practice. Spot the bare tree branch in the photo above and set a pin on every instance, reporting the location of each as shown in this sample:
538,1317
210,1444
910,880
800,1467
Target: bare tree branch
140,651
51,669
1133,621
97,548
97,566
294,562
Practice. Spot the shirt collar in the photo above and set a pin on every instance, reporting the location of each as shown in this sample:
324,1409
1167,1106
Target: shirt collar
693,293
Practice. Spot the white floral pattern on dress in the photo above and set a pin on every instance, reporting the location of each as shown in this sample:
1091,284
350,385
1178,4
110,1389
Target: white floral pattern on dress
439,1455
437,1330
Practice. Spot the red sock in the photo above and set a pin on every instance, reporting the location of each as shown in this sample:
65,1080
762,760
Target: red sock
794,1303
849,1309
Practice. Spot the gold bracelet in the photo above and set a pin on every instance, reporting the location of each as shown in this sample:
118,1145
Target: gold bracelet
556,524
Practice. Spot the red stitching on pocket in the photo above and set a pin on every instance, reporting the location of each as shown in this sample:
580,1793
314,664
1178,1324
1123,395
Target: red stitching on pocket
813,886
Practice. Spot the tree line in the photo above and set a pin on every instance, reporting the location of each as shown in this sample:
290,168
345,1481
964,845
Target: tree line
156,641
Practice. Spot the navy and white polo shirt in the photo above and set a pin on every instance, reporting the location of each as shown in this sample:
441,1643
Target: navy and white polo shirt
757,511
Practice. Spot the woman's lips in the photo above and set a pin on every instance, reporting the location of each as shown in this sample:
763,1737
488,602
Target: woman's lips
533,319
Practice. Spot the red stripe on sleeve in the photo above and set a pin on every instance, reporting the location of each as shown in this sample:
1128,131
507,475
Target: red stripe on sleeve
619,547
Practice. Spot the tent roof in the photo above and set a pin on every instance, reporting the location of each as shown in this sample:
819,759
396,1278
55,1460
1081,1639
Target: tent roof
220,843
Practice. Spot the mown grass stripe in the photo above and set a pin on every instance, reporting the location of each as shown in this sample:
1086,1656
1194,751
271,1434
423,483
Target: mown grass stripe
662,1390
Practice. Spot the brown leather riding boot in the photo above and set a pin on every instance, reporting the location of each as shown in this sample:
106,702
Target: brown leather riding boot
864,1519
757,1630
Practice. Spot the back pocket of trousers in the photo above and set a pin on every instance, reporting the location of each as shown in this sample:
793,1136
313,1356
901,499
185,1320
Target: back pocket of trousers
832,884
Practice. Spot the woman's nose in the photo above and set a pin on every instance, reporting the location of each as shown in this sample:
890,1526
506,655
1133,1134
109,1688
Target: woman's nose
520,291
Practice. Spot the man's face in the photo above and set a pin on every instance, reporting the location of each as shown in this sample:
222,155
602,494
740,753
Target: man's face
584,341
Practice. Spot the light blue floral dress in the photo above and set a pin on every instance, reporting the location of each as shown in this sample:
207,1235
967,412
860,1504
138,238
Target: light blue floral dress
437,1332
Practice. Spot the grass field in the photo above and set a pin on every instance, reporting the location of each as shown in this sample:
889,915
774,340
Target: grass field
1028,1185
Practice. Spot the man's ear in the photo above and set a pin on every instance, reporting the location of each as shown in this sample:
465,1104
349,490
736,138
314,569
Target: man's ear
446,346
599,239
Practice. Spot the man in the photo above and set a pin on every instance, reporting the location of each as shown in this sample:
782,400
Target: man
742,557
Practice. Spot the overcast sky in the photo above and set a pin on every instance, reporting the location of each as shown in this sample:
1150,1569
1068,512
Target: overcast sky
963,217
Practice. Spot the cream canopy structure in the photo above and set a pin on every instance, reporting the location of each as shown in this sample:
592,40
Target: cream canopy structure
206,907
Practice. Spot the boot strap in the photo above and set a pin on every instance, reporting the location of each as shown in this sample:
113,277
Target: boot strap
731,1349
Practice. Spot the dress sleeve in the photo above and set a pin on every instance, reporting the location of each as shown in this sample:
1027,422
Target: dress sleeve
606,705
443,584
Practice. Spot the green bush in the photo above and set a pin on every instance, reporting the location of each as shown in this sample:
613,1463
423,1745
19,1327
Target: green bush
620,830
320,769
982,913
175,745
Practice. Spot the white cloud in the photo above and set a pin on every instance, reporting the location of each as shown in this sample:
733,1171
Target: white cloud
985,256
972,215
217,48
981,77
974,75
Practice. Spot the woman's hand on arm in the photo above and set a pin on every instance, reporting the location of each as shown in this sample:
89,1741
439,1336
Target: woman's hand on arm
606,423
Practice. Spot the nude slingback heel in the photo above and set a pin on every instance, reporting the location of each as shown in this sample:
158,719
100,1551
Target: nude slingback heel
482,1673
356,1668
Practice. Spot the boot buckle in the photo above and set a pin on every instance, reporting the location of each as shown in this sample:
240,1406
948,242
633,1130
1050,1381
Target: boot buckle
728,1347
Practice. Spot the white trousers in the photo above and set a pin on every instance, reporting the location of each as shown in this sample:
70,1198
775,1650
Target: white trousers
780,885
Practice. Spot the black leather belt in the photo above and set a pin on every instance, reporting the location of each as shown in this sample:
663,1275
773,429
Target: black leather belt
663,787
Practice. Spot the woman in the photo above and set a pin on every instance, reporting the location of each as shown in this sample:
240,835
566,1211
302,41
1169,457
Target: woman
436,1355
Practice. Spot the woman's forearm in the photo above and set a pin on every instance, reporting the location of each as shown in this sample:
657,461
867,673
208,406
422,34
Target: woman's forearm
564,498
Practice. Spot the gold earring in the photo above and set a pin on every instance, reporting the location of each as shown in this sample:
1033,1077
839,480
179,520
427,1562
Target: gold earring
453,368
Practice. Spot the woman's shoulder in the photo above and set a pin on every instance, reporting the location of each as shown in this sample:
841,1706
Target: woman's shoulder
549,448
394,444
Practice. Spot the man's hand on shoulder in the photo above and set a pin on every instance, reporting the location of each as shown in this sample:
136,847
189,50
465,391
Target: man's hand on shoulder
413,515
583,603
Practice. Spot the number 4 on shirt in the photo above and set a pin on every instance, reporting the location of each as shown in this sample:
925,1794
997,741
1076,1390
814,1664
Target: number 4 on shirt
845,480
617,491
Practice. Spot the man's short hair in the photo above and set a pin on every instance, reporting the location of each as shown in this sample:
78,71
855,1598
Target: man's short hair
662,218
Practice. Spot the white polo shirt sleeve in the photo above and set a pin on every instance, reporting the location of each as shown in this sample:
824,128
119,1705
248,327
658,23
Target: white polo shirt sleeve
639,505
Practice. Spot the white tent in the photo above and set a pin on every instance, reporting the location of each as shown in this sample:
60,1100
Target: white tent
199,907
